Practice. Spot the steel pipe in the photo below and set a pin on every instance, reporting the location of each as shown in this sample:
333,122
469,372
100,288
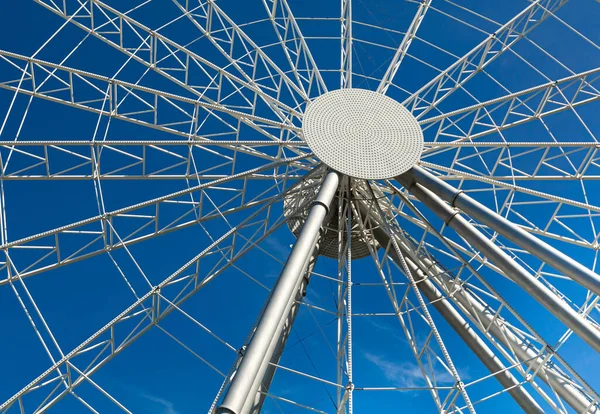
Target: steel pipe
254,404
460,325
523,351
558,307
246,381
542,250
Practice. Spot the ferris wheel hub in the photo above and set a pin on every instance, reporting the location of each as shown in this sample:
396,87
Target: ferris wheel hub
362,134
328,245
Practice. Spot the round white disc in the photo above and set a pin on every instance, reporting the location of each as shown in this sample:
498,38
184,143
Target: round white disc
363,134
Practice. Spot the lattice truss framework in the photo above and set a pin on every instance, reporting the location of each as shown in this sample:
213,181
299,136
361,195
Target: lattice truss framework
138,135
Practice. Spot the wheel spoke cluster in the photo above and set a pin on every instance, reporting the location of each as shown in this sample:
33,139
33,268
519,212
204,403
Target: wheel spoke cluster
138,135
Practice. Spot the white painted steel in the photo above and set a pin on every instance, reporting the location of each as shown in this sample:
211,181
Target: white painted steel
460,325
513,270
236,116
250,373
537,247
362,133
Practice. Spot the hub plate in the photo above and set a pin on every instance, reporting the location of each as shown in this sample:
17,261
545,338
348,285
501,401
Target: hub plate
363,134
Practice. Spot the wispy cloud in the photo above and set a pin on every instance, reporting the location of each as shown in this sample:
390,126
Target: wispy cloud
387,328
277,247
272,274
406,374
163,406
146,399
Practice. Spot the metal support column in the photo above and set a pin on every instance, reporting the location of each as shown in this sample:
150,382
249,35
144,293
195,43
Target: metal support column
511,268
459,385
459,324
527,355
523,351
255,404
546,253
250,373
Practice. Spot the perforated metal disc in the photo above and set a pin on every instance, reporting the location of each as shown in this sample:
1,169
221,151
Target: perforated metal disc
363,134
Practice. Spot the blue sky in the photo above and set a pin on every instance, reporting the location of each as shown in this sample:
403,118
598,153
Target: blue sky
156,374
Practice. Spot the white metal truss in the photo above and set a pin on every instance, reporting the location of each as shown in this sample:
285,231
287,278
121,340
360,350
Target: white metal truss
343,349
424,353
429,96
110,97
471,298
241,51
403,47
192,71
346,40
136,136
149,310
152,159
294,44
516,108
143,221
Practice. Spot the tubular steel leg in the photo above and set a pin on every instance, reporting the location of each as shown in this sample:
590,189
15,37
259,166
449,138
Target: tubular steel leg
253,366
546,253
426,314
460,325
523,351
511,268
255,404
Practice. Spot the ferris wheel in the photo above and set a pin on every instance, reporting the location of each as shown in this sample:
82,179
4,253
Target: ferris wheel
286,206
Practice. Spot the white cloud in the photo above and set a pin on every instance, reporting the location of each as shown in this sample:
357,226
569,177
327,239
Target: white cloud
395,331
406,374
164,406
277,247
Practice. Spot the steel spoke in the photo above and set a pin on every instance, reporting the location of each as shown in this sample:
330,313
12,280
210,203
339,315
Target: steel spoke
435,91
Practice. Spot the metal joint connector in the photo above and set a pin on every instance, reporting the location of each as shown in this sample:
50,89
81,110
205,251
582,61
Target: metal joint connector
242,351
458,193
320,203
449,219
407,181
